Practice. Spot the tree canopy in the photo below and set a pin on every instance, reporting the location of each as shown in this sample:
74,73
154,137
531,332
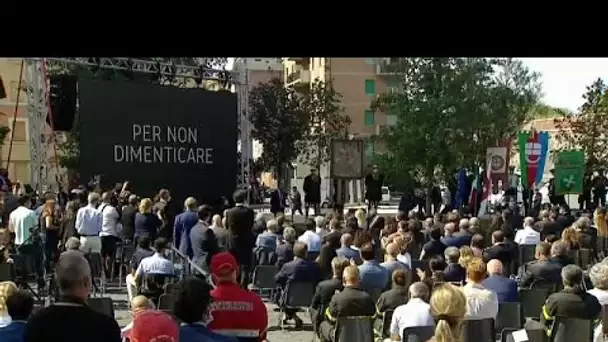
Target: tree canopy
325,123
449,110
587,129
279,122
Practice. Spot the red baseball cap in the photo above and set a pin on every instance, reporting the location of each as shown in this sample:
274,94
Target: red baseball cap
223,263
153,326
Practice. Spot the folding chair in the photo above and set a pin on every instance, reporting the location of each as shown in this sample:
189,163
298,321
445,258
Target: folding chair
166,302
172,288
385,330
124,253
526,253
297,295
574,254
103,305
97,273
263,279
417,334
482,330
584,258
354,329
532,300
571,329
509,316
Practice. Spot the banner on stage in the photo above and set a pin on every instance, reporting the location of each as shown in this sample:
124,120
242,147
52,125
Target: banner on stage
569,172
347,159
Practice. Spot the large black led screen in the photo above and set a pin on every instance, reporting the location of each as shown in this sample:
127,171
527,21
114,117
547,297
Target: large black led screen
158,137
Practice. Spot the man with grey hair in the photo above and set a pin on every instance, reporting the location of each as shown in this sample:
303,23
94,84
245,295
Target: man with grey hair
285,250
270,238
327,288
346,251
464,235
453,272
70,319
449,239
321,226
559,254
599,278
416,313
72,246
527,235
572,301
88,225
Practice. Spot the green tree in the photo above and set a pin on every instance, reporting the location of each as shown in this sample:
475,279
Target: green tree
544,111
325,122
279,122
587,130
449,110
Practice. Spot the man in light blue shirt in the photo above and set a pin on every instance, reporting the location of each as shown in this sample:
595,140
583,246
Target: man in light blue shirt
88,225
374,278
310,238
346,251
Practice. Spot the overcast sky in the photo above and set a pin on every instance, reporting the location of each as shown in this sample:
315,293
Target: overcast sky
565,79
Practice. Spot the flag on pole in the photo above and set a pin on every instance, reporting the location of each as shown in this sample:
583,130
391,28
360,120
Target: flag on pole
532,154
460,189
484,206
476,188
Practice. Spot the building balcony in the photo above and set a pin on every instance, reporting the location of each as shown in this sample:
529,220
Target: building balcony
299,80
386,66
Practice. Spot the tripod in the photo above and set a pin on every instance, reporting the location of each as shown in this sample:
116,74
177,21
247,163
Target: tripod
23,260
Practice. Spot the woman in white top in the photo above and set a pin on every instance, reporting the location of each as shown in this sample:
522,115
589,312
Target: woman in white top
599,278
7,288
481,302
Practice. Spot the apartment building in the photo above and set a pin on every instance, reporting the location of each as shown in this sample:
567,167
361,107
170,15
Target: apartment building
359,81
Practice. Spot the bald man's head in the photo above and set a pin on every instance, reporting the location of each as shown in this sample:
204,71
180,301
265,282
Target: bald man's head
392,249
494,267
350,277
346,240
140,303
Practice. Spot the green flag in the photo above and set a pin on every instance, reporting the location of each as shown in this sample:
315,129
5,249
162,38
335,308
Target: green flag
569,172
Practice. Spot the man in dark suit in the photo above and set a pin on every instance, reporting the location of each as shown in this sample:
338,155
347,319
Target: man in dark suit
326,290
453,272
500,250
450,240
183,225
353,301
464,236
541,269
299,270
202,239
505,288
546,226
312,192
239,222
284,251
277,201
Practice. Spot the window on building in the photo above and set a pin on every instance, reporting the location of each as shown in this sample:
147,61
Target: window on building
370,118
391,119
370,87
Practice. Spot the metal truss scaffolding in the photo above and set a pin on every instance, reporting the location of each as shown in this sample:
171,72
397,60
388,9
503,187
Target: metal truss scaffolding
38,103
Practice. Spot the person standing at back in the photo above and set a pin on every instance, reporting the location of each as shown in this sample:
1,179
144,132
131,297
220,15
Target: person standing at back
128,219
88,225
202,239
239,222
110,230
70,319
312,193
22,222
182,226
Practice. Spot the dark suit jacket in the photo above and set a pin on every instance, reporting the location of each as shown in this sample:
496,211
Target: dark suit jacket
325,290
351,302
284,254
464,238
547,227
543,270
239,222
127,219
451,241
297,270
502,252
182,225
204,244
312,189
454,272
505,288
392,298
276,204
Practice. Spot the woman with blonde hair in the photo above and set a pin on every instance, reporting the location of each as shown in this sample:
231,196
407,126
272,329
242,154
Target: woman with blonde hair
146,223
360,214
601,224
570,237
448,307
7,288
50,223
466,255
67,227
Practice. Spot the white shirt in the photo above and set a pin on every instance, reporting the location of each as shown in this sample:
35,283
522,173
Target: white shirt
405,258
109,221
416,313
22,220
602,297
5,320
88,221
155,264
527,236
312,241
481,303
